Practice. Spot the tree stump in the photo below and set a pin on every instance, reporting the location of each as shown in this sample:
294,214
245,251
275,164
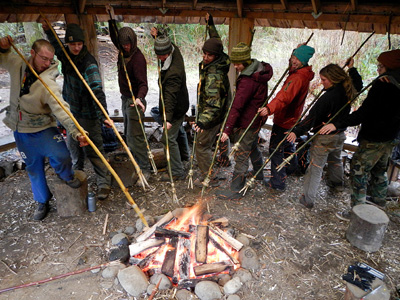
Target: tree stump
71,202
367,227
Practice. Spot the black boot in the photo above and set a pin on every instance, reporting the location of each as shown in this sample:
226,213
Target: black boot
41,211
232,193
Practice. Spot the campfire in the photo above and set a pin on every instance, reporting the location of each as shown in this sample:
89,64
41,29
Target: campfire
187,247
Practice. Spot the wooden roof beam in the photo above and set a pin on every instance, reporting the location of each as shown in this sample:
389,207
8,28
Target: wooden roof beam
353,5
194,4
81,5
316,7
285,4
239,4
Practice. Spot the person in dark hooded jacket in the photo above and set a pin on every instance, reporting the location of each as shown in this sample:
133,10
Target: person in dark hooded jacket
125,40
379,116
251,93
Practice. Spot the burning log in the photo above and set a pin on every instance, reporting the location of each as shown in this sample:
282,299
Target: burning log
169,233
191,283
219,247
210,268
201,244
227,238
169,259
149,232
141,246
184,258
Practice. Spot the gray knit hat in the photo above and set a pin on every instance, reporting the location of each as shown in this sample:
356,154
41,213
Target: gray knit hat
74,34
240,53
126,35
162,45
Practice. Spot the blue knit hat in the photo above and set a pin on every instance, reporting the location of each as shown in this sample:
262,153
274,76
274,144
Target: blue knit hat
304,53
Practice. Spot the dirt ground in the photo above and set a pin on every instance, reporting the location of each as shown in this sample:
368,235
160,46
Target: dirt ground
303,252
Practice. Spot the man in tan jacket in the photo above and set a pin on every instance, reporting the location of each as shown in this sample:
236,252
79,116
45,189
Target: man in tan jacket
32,116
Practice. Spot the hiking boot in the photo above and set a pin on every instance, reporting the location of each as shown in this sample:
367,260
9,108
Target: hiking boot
344,215
41,211
103,193
267,183
306,202
165,177
233,193
74,182
337,187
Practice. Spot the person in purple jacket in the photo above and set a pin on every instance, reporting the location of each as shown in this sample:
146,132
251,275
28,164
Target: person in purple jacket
251,93
125,39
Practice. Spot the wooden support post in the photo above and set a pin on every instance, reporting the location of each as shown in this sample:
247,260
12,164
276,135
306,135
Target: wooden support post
239,31
201,244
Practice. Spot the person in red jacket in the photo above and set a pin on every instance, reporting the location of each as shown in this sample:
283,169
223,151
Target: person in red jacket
287,107
251,92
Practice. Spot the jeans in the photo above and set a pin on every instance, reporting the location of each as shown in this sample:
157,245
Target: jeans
34,148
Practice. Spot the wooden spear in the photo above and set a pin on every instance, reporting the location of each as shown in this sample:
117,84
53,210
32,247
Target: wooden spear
237,144
136,166
82,131
167,154
56,277
190,175
149,154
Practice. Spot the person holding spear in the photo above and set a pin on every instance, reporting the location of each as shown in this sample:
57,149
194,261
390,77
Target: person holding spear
174,95
251,92
31,117
286,108
125,40
339,89
83,106
379,116
214,98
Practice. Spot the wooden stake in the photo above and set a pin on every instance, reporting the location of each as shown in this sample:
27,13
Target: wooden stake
105,225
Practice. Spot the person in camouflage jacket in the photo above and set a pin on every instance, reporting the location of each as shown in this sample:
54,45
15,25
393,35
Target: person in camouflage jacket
213,99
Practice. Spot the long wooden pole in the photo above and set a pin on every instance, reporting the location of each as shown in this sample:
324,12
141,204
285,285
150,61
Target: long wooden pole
167,153
237,144
82,131
55,277
149,154
136,166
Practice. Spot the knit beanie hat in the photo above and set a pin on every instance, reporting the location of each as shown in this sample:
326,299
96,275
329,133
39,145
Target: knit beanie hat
126,35
304,53
213,46
74,34
390,59
240,53
162,45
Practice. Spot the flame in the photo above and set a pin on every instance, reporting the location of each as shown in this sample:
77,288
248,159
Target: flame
184,263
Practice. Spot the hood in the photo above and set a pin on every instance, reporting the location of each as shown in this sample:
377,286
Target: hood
259,71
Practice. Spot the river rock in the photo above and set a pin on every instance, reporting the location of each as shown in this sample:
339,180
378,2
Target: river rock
129,230
133,280
150,288
248,259
184,295
394,189
140,225
120,239
165,283
243,274
233,297
112,271
243,239
120,253
208,290
223,279
232,286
